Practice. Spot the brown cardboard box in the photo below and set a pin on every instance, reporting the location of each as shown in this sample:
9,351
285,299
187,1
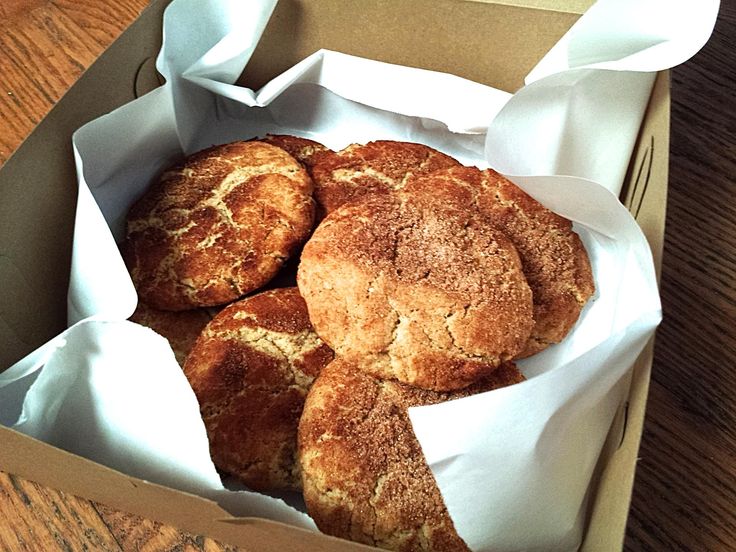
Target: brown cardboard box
495,42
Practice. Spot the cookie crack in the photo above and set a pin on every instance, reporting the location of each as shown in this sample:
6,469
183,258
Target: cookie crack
450,316
384,388
302,342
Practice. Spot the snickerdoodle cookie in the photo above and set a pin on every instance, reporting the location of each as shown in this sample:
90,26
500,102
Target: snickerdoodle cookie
554,259
407,288
380,166
251,369
218,226
364,474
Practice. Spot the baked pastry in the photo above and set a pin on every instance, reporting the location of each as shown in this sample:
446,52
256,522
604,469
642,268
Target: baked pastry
218,226
554,259
406,288
250,370
306,151
181,328
376,167
364,474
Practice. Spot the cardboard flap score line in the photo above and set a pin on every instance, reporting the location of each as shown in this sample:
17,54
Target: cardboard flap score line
146,78
573,6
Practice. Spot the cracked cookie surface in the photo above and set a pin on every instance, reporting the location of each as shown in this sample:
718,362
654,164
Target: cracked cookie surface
409,289
218,226
375,167
553,257
251,369
307,152
364,474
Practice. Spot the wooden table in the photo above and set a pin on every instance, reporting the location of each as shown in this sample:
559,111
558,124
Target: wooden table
685,490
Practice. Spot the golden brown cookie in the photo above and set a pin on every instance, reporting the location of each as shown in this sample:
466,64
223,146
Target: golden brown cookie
554,259
306,151
408,289
364,474
181,328
376,167
218,226
251,369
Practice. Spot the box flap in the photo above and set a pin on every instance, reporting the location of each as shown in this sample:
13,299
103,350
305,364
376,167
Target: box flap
487,42
70,473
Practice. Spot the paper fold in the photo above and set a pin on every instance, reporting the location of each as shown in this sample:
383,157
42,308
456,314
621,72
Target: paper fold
514,465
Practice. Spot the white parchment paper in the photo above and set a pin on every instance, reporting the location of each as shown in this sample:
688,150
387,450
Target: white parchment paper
513,465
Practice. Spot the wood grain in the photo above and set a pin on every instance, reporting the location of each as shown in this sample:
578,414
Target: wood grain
685,488
36,517
45,47
133,532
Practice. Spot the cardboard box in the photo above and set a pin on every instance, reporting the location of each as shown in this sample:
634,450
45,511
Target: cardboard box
494,42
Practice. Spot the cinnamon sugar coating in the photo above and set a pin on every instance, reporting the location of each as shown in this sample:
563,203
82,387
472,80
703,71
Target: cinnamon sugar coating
307,152
364,474
409,289
218,226
251,369
554,259
375,167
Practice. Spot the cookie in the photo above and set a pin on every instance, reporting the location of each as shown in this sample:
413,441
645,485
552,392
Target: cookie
218,226
251,369
376,167
364,474
553,257
306,151
181,328
407,288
